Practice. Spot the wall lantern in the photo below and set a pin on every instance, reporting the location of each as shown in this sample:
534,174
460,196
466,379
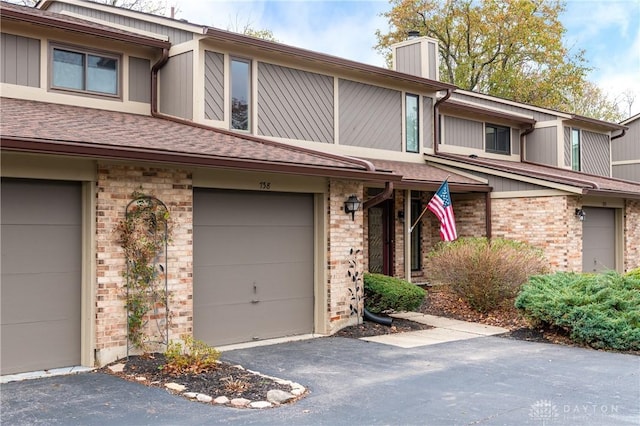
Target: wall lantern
352,205
580,214
401,216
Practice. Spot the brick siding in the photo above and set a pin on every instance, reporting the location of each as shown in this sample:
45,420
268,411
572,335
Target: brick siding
632,235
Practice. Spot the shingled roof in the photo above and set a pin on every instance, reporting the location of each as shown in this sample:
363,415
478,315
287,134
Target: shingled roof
62,129
582,182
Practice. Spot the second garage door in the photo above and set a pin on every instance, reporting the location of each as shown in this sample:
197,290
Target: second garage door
253,265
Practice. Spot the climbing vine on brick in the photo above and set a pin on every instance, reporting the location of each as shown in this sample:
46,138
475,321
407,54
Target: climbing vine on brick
143,235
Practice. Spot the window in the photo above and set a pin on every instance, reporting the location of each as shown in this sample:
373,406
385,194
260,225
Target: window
240,93
575,149
85,71
497,139
416,235
412,123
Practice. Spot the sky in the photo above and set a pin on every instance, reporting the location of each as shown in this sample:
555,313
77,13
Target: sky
607,30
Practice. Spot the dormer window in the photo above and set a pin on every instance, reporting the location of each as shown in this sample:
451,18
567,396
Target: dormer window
85,71
497,139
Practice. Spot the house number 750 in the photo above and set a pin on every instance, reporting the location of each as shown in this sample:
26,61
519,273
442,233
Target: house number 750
265,185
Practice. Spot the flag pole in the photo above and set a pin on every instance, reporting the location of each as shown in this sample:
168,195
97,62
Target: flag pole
424,210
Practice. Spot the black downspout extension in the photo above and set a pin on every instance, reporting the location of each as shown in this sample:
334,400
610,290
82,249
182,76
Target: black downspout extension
624,132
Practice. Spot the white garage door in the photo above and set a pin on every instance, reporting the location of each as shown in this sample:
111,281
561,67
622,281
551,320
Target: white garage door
598,240
41,275
253,265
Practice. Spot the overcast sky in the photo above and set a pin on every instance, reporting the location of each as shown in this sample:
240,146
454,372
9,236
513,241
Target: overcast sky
608,31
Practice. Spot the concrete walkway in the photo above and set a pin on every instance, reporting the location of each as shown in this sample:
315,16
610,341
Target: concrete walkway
444,330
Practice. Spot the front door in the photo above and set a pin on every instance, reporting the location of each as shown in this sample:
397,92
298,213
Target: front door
381,238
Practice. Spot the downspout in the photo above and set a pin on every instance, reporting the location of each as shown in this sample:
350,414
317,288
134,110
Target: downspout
154,82
436,120
487,219
384,195
624,132
522,136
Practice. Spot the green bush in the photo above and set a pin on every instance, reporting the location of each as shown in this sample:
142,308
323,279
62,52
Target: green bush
634,273
383,293
600,310
485,273
194,356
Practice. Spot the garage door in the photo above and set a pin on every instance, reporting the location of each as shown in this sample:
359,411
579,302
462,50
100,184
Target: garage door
253,265
598,243
41,275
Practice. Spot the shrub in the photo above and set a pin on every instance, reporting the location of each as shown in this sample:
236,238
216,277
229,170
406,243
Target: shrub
634,273
383,293
194,356
485,273
600,310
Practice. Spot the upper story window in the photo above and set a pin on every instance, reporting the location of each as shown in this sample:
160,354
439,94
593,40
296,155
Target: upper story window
497,139
240,94
85,71
412,114
575,149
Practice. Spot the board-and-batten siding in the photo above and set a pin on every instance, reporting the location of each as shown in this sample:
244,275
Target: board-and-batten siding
541,146
20,59
627,171
627,147
567,146
408,59
176,36
515,141
213,86
294,104
461,132
595,153
139,80
538,116
427,122
370,116
176,86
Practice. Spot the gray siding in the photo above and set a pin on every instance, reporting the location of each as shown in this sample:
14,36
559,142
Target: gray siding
20,60
501,184
433,71
176,86
595,153
461,132
370,116
408,59
567,146
176,36
294,104
213,85
139,80
628,146
627,171
427,122
541,146
538,116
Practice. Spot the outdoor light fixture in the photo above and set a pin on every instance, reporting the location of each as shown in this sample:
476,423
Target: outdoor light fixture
352,205
580,214
401,216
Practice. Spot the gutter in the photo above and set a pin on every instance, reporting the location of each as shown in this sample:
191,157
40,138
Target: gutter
624,132
436,120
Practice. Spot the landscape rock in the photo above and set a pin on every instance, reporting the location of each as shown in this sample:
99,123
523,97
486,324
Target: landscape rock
260,404
240,402
204,398
297,389
175,387
117,368
277,396
221,400
190,394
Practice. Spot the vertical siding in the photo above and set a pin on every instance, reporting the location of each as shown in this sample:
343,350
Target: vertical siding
628,146
500,184
370,116
627,171
461,132
433,60
538,116
20,60
176,86
294,104
427,122
213,86
515,141
567,146
139,80
595,153
541,146
408,59
176,36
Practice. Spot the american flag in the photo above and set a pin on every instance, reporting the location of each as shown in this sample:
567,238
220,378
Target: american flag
440,205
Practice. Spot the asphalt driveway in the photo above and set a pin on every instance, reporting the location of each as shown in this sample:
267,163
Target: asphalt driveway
485,381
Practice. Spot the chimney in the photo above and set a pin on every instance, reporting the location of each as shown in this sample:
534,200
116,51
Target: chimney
416,56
